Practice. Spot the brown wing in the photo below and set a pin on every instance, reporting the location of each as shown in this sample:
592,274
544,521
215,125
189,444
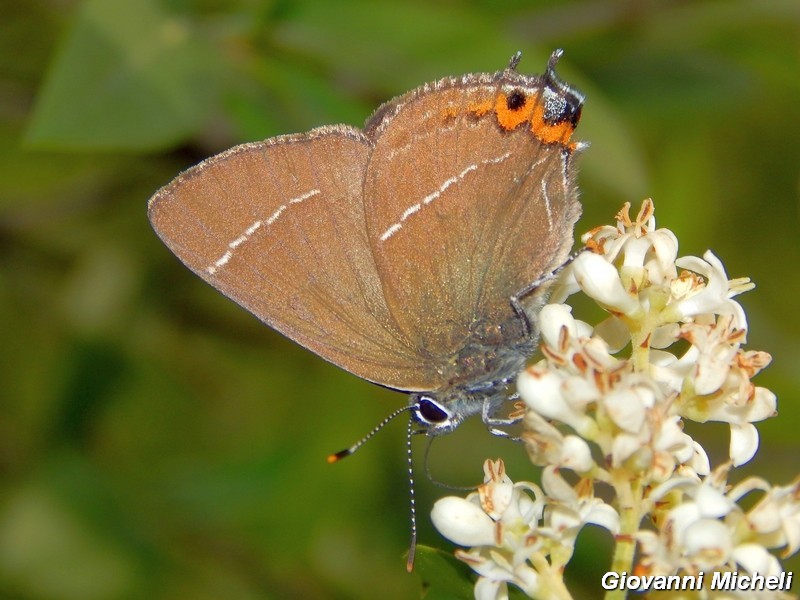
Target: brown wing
279,227
469,197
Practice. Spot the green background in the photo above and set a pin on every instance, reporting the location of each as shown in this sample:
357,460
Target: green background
156,441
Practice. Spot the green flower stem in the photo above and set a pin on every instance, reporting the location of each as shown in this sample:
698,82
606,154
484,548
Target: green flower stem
629,494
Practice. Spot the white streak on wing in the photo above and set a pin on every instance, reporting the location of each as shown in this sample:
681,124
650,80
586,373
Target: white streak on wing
410,211
274,216
434,195
220,262
395,227
547,204
248,233
418,139
564,174
252,229
390,232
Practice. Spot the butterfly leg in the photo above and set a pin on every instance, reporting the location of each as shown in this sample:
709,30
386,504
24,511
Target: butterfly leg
516,305
493,423
516,300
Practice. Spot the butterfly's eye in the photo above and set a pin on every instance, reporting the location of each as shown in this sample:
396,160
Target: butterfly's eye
431,411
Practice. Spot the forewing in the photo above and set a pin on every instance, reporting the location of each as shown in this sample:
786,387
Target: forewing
279,227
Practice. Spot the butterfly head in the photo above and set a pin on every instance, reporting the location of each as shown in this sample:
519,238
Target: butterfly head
433,415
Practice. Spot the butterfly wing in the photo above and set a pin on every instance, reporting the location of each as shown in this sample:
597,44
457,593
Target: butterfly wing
279,227
469,197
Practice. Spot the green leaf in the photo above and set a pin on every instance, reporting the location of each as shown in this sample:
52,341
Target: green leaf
127,76
443,577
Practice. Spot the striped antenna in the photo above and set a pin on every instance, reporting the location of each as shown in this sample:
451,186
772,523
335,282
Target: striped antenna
412,550
332,458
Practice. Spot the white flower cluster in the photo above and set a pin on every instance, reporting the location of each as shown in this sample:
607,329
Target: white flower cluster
512,535
616,418
702,528
632,408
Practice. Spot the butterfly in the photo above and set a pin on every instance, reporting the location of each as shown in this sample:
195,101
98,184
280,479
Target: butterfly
415,252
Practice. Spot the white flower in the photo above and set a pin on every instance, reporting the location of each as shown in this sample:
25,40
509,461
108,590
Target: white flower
500,523
463,522
575,455
715,296
601,281
717,346
644,246
571,508
543,392
702,526
744,443
548,446
776,517
512,538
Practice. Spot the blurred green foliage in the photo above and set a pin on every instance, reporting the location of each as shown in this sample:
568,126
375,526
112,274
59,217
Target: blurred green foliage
158,442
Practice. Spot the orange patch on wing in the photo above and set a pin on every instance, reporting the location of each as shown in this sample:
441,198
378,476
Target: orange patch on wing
480,108
531,111
449,113
558,133
510,118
